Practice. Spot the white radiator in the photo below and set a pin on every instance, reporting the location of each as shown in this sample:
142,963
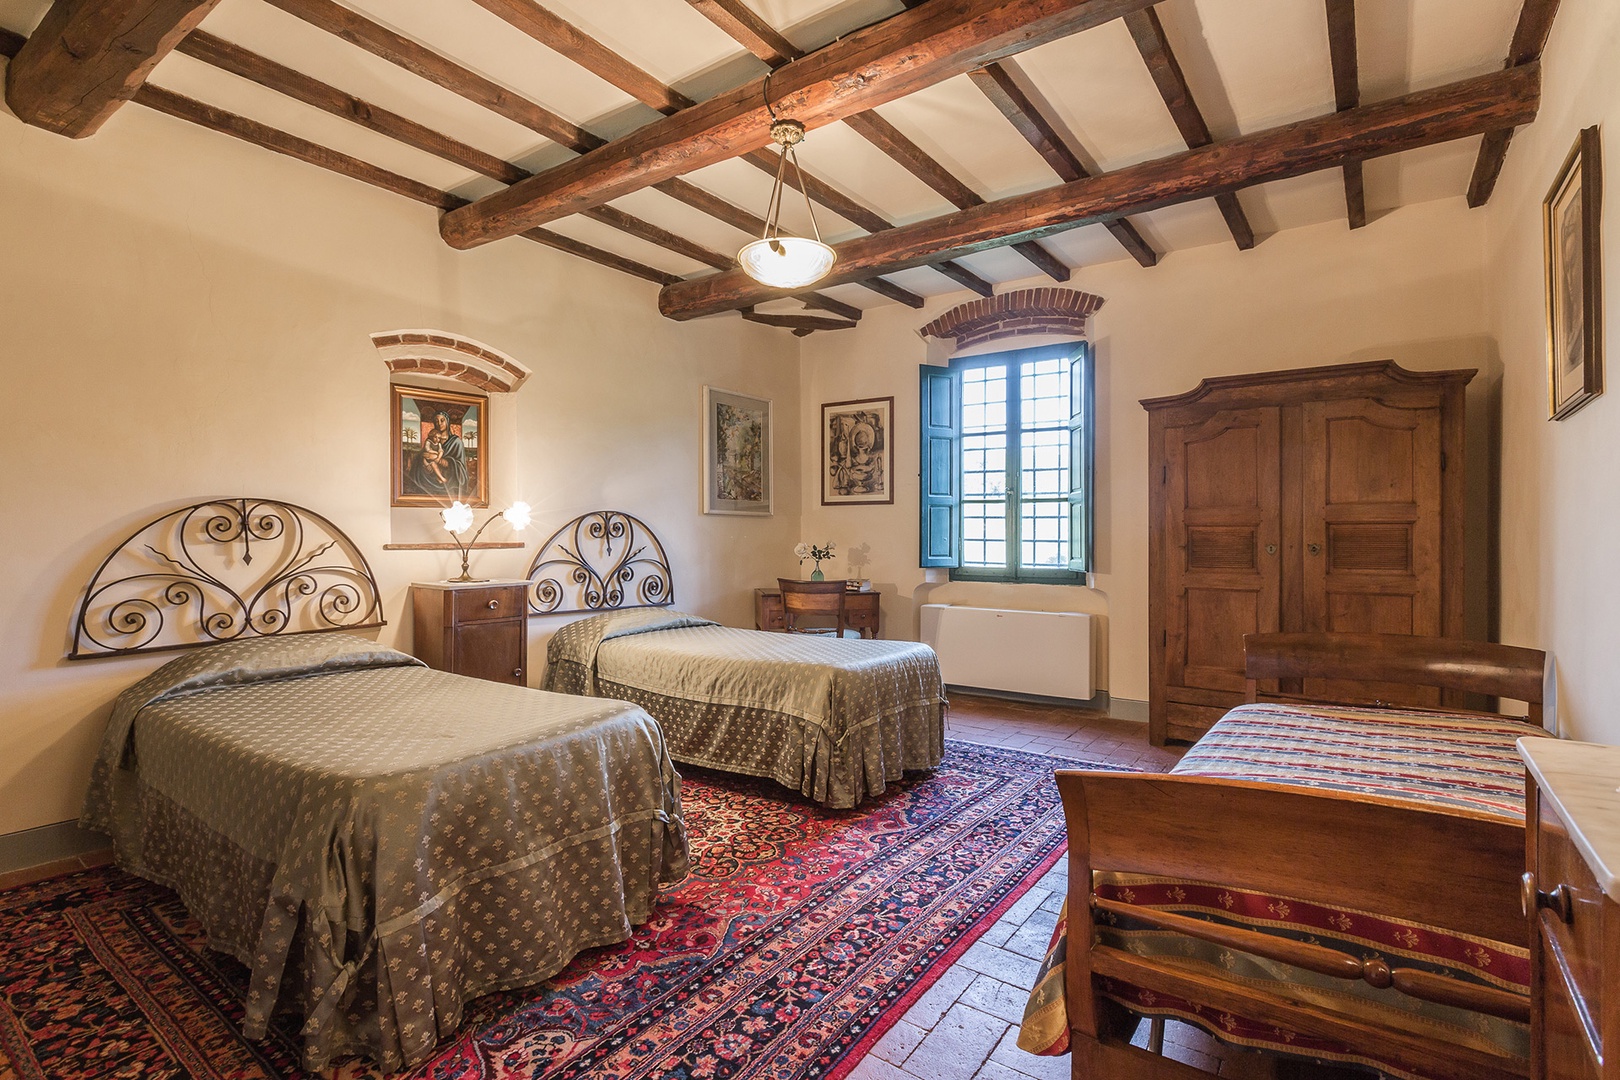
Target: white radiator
1045,653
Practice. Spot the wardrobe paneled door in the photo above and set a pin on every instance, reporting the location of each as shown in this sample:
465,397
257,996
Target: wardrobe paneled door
1318,499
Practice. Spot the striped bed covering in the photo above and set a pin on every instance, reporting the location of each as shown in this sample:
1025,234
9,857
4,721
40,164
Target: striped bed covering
1450,761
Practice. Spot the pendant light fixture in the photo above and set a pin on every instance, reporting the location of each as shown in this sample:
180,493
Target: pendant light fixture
786,262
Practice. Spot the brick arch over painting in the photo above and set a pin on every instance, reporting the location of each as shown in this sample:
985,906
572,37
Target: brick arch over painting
449,356
1016,313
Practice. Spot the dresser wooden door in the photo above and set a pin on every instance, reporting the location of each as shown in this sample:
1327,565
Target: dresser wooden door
1222,493
1371,529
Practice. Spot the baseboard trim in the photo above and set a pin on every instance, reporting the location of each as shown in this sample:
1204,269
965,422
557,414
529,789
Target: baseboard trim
47,844
1116,708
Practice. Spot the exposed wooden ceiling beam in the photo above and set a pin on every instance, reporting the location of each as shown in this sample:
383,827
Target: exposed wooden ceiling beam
402,51
822,302
85,60
879,63
1529,39
1341,23
1003,84
563,37
1148,33
1459,110
749,30
801,325
240,127
11,42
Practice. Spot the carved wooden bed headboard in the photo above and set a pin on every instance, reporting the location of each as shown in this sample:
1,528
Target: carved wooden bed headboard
599,562
222,570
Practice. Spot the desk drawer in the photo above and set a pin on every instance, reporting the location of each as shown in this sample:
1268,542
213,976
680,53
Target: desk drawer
1576,947
495,602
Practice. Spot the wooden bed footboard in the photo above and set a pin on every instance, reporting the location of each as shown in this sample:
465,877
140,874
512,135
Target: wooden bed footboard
1454,870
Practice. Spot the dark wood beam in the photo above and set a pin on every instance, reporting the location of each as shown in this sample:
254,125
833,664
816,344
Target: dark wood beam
1341,23
748,30
886,137
1529,39
240,127
11,42
890,291
563,37
1455,111
1148,33
358,30
827,303
1003,84
879,63
85,60
801,325
230,57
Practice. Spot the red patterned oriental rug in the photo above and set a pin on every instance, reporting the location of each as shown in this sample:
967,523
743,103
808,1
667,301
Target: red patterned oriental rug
800,937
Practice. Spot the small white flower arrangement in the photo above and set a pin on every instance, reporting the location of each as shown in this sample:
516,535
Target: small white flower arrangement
814,551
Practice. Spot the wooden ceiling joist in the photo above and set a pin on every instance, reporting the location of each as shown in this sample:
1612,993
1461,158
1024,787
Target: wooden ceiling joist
1148,33
1529,39
886,137
749,30
1003,84
1341,23
11,42
1459,110
252,131
85,60
890,59
568,40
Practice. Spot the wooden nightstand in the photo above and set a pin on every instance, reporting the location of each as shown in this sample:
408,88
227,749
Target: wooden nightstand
480,629
1571,886
860,611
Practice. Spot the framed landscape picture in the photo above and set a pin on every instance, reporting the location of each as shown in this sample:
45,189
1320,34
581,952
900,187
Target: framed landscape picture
857,452
736,453
440,442
1574,255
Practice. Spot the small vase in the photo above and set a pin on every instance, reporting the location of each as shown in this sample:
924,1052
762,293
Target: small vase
817,575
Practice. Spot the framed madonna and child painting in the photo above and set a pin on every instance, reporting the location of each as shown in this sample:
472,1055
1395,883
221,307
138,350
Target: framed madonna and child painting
439,452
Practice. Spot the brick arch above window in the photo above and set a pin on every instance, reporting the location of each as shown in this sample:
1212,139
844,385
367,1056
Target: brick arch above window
1016,313
449,356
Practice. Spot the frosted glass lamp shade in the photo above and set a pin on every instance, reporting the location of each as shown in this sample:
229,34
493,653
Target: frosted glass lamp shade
794,261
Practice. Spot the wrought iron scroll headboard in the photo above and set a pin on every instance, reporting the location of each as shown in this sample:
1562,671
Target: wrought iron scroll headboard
597,562
223,570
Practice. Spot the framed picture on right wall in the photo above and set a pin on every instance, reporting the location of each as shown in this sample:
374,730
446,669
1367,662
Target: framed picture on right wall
1571,225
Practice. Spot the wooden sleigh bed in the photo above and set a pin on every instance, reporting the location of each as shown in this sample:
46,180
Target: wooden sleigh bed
1311,913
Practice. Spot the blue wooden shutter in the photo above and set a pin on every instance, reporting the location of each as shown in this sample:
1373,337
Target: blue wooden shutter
940,474
1082,439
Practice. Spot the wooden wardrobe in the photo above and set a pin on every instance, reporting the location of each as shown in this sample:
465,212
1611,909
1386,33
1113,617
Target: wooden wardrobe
1324,499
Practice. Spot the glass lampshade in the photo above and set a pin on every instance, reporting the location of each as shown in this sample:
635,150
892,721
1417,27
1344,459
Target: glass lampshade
793,263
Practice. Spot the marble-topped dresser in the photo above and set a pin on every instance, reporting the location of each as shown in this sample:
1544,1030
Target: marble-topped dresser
1572,889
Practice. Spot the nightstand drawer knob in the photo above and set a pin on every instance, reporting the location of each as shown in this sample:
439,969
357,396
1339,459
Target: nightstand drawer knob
493,604
1561,901
517,673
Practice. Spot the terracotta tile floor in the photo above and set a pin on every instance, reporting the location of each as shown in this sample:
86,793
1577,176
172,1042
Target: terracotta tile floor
966,1026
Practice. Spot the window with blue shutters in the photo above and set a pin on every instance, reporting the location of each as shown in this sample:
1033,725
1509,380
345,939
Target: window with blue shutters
1006,478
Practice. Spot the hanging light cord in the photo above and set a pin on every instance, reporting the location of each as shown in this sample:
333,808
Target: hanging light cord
773,209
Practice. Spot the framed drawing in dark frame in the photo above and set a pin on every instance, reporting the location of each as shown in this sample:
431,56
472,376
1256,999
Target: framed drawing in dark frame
1571,230
736,453
857,452
440,447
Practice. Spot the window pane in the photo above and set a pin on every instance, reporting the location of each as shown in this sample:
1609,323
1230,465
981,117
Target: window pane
984,400
984,464
1045,464
1045,528
984,531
